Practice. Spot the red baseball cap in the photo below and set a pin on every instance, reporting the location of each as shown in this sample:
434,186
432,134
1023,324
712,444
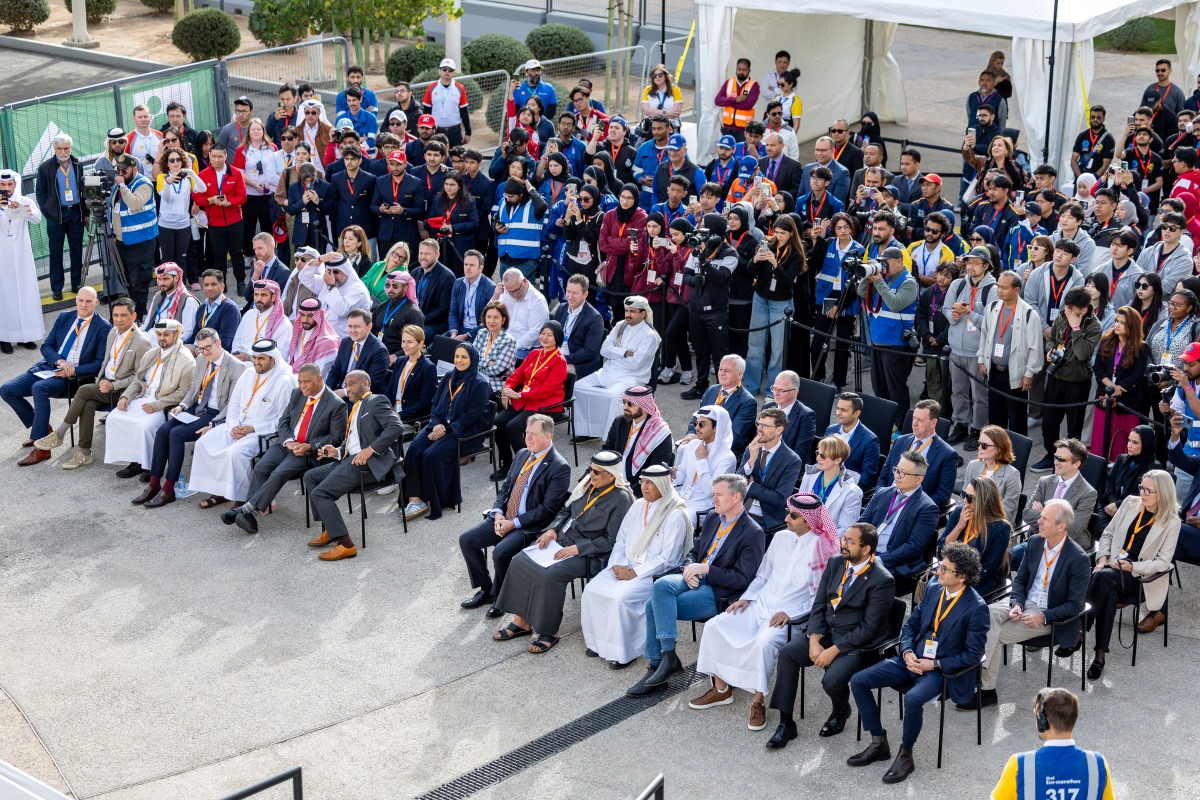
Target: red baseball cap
398,155
1192,353
426,121
932,178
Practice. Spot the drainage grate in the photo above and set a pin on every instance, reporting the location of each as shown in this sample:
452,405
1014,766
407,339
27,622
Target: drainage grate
557,740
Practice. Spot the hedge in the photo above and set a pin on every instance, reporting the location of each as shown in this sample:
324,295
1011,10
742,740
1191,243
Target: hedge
206,33
97,10
495,51
556,40
474,91
495,106
22,15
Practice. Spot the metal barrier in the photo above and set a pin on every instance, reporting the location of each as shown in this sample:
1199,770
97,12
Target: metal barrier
612,72
258,75
487,96
655,789
292,775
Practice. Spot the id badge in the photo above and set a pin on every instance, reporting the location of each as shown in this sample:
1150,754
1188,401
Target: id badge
685,492
1166,357
304,218
651,275
772,285
1123,556
69,195
640,559
1145,186
930,649
1053,314
971,327
678,279
999,351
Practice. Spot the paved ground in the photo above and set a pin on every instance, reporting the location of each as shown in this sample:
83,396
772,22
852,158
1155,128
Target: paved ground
163,655
28,75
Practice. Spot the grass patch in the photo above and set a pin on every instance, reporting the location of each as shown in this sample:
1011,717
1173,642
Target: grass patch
1162,42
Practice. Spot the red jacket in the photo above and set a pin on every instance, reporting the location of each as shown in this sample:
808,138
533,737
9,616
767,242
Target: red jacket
679,292
657,259
540,380
614,246
234,189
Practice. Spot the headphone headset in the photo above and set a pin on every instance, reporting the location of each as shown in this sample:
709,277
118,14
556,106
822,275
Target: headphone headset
1043,723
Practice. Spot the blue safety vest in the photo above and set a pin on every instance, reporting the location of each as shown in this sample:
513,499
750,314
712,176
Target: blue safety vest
832,277
1061,773
136,227
523,238
887,326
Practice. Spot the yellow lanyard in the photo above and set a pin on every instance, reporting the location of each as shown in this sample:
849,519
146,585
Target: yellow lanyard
846,576
212,371
119,347
538,366
531,464
722,530
259,382
154,374
354,413
1048,565
938,616
1138,527
408,368
592,500
491,341
923,446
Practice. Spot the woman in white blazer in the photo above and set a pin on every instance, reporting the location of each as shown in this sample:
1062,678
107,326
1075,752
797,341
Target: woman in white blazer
1138,542
836,486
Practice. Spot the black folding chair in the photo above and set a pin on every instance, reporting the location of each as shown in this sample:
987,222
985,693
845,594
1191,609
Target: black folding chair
1022,447
1138,608
1047,641
567,413
479,443
878,416
442,348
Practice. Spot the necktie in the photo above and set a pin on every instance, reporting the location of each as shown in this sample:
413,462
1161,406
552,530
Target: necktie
721,397
761,466
305,418
518,489
1061,490
1195,509
202,400
771,171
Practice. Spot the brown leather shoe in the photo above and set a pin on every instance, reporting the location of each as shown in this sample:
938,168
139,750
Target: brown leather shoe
160,499
321,540
1151,621
36,456
758,716
146,496
713,698
27,443
338,553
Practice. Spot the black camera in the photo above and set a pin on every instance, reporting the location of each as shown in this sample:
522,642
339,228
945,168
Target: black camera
858,269
1162,374
702,237
912,339
1055,359
509,149
98,187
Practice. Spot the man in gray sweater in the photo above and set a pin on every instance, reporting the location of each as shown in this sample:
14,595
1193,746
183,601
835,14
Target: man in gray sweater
966,300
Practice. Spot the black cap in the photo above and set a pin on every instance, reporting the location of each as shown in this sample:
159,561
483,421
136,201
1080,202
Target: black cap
244,101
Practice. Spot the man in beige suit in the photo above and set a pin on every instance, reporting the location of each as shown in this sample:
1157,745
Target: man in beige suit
125,349
216,374
162,379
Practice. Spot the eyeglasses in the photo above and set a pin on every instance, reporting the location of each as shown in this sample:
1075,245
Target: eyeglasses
769,425
775,114
942,568
848,540
782,391
312,113
205,348
968,498
899,473
287,138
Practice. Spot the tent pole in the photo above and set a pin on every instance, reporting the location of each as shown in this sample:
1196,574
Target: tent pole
1050,85
663,32
867,62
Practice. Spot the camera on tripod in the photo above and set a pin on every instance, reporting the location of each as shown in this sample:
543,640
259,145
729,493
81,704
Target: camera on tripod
98,187
858,269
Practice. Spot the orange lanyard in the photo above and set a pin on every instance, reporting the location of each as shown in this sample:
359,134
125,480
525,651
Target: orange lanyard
1048,565
938,615
537,367
454,392
80,326
408,368
593,500
354,413
722,530
154,374
119,347
357,351
258,326
491,341
212,371
923,446
529,465
1138,527
258,384
633,429
846,575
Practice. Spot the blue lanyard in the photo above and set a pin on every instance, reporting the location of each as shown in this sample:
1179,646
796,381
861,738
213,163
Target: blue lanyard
1171,335
823,490
766,466
388,317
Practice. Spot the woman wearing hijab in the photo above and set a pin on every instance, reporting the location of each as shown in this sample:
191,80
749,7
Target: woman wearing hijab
431,464
653,537
537,385
21,303
620,232
1003,79
552,173
581,232
835,486
603,161
1127,471
743,238
869,132
583,534
594,176
554,238
650,276
699,461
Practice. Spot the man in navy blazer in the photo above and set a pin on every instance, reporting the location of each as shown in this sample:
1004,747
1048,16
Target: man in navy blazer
75,348
359,350
217,311
311,203
435,283
906,520
468,297
823,151
399,203
721,564
583,328
941,457
864,444
513,519
801,431
266,266
772,469
945,634
738,403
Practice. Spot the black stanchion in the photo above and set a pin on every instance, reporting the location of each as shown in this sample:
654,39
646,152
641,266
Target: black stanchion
1109,405
787,335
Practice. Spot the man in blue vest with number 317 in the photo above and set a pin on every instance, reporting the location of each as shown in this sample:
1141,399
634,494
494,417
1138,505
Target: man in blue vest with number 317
1059,770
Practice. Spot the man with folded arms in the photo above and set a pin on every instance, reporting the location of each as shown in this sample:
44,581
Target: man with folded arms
217,311
171,301
849,613
628,353
125,348
162,379
315,417
216,374
366,455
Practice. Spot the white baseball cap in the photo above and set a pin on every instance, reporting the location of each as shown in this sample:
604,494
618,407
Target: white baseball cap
532,63
448,63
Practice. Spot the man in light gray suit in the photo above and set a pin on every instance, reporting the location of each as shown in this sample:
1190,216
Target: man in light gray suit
315,417
1065,484
368,453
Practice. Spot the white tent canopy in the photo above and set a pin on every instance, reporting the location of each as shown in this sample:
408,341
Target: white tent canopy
848,69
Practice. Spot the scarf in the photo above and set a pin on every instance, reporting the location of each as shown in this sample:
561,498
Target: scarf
654,429
817,517
670,501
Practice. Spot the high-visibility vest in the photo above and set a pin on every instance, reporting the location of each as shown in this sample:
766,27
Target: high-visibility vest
735,117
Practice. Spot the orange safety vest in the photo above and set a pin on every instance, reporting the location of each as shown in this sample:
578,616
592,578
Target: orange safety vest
735,117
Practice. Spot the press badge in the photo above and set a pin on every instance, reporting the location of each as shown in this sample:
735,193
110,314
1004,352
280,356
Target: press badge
678,279
999,351
1166,358
772,285
69,195
930,648
651,275
304,218
1053,314
971,327
640,559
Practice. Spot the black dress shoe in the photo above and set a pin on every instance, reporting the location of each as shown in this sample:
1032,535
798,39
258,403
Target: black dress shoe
229,516
159,500
783,734
476,600
57,295
1095,670
144,477
982,699
901,768
833,726
619,665
1067,652
247,521
144,497
500,474
590,653
643,688
877,750
6,348
670,665
29,345
694,393
131,471
494,613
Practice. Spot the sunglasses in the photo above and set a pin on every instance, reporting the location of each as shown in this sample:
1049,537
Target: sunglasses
445,69
1143,285
1171,228
985,446
975,239
933,229
1060,459
968,498
119,141
312,113
658,75
596,471
395,122
793,515
287,138
839,130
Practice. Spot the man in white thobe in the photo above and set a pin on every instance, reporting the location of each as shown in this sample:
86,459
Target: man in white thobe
162,379
338,287
21,300
700,461
739,647
653,537
265,321
221,463
628,354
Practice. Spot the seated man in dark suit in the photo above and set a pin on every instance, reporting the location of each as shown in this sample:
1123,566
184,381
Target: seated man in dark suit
359,350
849,613
1067,484
217,311
583,328
772,469
536,488
864,444
1051,586
315,417
725,558
906,520
801,430
946,633
640,435
74,349
468,297
737,402
389,319
372,429
941,457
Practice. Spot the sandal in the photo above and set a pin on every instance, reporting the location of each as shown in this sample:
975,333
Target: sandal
213,501
511,631
542,643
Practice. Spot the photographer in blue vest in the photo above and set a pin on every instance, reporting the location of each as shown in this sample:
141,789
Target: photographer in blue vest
1059,768
518,226
890,303
134,219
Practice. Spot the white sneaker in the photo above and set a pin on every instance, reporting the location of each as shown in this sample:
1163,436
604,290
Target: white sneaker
77,460
664,375
386,490
686,377
1030,422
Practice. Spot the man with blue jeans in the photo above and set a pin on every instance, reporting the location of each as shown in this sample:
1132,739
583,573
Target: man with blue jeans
774,269
720,566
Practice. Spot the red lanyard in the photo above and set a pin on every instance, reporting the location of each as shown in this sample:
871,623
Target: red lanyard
1057,293
395,191
1003,324
739,241
350,186
554,193
1117,275
450,211
813,216
1143,164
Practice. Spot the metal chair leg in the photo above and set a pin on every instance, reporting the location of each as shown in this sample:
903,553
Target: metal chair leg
941,722
801,693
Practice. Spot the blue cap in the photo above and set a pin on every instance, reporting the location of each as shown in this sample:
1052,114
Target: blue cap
619,120
676,142
748,165
727,141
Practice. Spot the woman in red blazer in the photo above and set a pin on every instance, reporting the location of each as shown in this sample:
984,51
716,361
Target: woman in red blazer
539,384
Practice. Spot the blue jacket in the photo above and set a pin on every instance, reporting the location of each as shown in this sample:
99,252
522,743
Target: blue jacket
864,453
912,530
418,389
484,289
224,321
649,156
548,488
840,187
736,562
353,203
91,355
991,555
304,233
274,271
373,360
939,477
773,488
743,412
801,430
410,194
586,339
961,638
1068,585
464,221
366,125
433,296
